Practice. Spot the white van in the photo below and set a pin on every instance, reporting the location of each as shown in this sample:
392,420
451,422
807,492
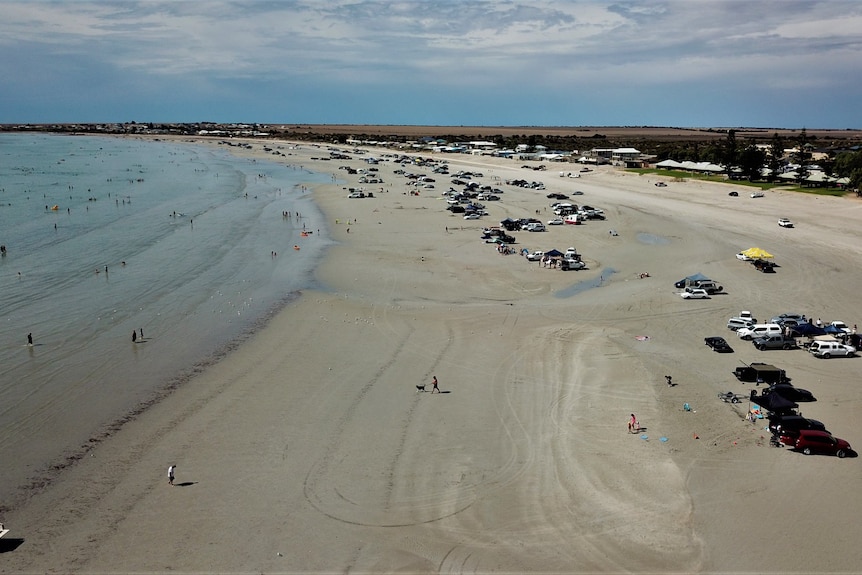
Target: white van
759,330
737,323
827,349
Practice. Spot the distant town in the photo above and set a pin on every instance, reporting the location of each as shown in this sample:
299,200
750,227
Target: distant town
811,158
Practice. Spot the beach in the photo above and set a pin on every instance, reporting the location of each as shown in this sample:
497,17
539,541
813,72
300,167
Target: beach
309,448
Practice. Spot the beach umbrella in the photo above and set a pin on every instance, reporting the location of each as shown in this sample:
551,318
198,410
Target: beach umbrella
757,253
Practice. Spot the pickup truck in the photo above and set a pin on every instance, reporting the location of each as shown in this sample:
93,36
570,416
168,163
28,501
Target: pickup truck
775,342
761,373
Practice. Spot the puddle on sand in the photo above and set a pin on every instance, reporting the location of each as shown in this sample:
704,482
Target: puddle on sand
585,285
652,239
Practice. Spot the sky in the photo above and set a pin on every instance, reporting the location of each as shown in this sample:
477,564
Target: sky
690,63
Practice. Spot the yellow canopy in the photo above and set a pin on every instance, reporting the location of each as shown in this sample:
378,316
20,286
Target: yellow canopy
757,253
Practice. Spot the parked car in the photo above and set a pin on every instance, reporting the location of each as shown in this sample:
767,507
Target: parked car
710,286
473,216
759,330
742,257
556,222
535,227
828,349
841,326
812,441
694,293
571,252
567,264
535,256
760,373
737,323
780,341
783,317
782,424
785,223
660,185
733,194
790,392
718,344
744,319
756,194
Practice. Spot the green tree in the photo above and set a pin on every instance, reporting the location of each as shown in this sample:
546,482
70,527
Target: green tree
751,160
776,153
730,151
846,162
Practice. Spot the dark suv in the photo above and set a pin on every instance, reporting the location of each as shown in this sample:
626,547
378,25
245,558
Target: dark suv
790,425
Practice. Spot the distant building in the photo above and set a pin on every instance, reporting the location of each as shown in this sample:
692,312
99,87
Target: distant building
628,157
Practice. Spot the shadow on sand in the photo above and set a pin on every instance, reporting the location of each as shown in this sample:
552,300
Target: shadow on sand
11,544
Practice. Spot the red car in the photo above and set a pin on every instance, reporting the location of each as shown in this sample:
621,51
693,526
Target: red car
813,441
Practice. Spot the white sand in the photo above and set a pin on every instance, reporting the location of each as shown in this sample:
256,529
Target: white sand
309,449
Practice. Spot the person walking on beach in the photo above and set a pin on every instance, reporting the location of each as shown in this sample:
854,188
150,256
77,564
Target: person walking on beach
434,383
669,380
142,334
634,426
30,339
171,470
134,336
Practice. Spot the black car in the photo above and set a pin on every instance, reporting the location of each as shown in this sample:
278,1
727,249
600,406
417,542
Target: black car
787,391
788,424
734,194
718,344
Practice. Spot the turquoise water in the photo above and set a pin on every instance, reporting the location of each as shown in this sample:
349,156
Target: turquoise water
184,242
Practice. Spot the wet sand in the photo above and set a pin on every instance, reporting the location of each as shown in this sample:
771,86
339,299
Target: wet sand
309,448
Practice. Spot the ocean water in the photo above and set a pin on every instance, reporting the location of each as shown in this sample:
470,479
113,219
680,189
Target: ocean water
184,242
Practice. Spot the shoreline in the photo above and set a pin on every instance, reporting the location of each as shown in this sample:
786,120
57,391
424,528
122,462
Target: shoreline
310,438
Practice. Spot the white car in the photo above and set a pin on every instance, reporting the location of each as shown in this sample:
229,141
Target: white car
785,223
535,227
841,325
694,293
742,257
472,217
556,222
535,256
756,194
829,349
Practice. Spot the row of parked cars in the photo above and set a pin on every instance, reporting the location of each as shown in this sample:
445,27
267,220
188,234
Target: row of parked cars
782,330
779,397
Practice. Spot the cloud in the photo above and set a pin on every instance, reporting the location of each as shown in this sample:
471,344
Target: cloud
508,50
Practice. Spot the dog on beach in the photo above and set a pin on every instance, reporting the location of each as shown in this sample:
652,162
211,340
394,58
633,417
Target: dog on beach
420,388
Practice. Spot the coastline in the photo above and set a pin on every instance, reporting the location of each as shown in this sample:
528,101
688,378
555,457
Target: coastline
309,449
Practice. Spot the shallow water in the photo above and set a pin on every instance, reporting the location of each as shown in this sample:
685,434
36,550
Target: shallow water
585,285
185,243
652,239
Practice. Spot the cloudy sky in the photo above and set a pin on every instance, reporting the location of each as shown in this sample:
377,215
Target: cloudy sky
719,63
